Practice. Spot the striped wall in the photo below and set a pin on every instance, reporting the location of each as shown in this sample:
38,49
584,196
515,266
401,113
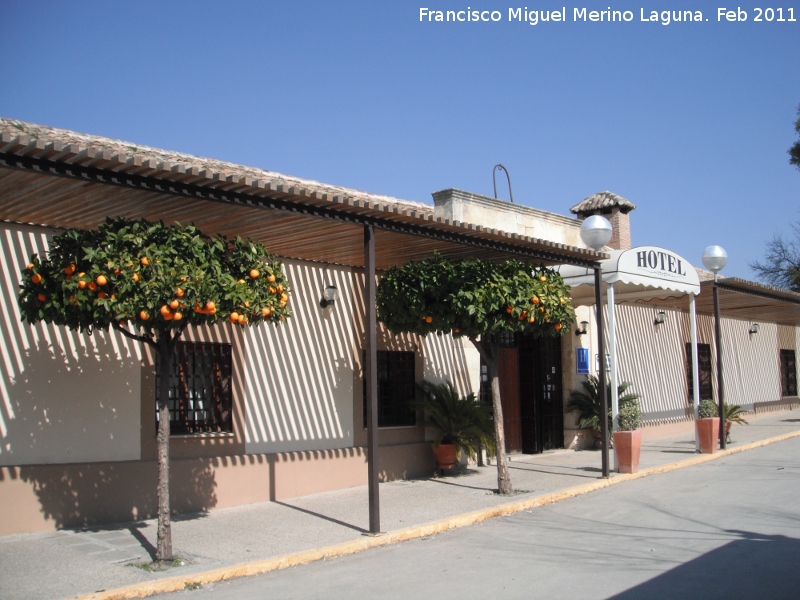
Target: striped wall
653,358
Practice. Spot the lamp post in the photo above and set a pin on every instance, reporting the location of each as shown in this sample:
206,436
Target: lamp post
715,258
596,233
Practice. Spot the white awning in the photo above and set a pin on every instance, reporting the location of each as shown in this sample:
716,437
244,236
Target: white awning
640,273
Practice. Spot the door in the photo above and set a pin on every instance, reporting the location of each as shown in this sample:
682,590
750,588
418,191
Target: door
508,371
541,401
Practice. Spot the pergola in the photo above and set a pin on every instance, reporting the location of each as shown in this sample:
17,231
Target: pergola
58,178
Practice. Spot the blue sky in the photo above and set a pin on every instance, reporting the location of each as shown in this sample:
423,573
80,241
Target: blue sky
690,121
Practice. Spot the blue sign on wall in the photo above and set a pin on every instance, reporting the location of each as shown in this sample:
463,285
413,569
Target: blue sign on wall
582,360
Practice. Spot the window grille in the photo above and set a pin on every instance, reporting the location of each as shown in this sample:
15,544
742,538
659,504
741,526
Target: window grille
704,371
788,373
396,389
200,396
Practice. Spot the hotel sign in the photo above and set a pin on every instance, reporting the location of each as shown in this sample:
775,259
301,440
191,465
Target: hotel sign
651,261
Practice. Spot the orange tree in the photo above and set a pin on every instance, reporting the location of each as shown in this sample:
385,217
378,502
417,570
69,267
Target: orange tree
149,281
479,300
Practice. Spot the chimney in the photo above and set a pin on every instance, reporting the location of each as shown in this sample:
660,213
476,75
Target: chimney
615,209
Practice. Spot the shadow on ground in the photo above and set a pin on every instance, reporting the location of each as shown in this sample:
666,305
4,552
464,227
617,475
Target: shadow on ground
755,566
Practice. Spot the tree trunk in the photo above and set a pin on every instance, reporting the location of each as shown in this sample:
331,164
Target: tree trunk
164,549
489,352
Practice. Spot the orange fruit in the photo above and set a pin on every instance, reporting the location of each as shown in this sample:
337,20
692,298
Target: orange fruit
36,278
284,297
102,295
234,317
531,319
509,309
70,270
92,286
178,316
179,292
145,261
136,277
165,310
457,330
542,278
265,311
271,278
254,273
144,315
101,280
116,271
82,284
174,304
429,320
30,266
242,319
273,289
558,326
212,311
280,288
535,299
241,281
42,297
210,304
541,309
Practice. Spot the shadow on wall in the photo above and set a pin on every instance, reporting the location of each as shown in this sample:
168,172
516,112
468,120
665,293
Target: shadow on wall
752,567
89,494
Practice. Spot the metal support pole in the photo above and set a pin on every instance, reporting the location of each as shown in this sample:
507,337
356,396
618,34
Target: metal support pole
695,370
612,350
371,376
720,388
601,347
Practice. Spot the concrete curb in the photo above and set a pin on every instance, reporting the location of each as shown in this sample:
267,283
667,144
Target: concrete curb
180,582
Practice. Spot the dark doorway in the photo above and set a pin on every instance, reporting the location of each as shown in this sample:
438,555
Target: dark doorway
541,401
529,371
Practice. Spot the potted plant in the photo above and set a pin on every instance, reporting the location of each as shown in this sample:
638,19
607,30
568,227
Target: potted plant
628,437
708,426
733,414
587,403
460,424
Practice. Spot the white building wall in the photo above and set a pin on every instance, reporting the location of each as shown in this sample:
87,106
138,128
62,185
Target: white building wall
750,363
298,375
65,397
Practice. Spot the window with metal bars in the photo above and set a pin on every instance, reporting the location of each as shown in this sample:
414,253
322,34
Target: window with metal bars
788,373
396,389
704,371
200,397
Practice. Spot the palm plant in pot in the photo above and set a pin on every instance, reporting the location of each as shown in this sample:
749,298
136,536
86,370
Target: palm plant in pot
733,414
628,437
708,426
460,424
587,403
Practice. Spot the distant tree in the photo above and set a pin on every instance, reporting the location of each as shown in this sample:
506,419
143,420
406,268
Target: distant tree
794,151
148,281
781,266
480,300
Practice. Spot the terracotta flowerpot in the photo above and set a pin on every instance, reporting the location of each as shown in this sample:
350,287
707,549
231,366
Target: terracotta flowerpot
445,456
628,446
708,432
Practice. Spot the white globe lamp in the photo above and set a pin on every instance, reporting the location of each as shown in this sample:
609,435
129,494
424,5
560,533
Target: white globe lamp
596,232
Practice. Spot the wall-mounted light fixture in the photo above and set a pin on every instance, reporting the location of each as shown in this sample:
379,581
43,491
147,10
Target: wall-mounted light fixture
583,329
329,293
754,328
659,318
329,296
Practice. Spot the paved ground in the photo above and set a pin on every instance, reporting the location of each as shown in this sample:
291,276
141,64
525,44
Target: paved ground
723,529
69,563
